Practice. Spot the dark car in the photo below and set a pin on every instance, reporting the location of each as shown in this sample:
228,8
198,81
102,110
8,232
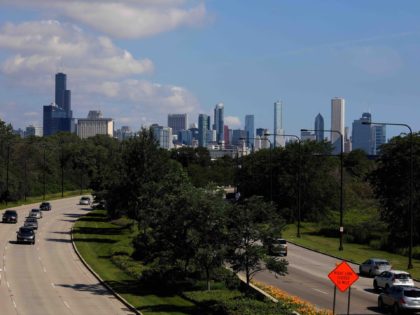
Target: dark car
10,216
25,235
45,206
400,299
31,222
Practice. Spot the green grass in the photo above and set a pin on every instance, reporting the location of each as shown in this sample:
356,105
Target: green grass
354,252
39,199
94,238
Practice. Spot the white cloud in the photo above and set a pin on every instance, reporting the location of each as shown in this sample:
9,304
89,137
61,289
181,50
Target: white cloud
123,19
43,47
232,121
98,72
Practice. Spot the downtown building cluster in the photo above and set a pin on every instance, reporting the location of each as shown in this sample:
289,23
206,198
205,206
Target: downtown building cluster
212,132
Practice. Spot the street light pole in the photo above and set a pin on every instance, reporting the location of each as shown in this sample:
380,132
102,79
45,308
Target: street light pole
299,176
341,182
410,202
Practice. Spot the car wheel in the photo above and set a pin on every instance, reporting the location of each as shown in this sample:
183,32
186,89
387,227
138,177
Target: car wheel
375,286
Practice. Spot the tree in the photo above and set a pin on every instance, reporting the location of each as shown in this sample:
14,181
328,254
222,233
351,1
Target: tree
249,224
391,182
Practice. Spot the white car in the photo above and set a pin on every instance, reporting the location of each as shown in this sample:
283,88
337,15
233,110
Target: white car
84,201
391,278
36,213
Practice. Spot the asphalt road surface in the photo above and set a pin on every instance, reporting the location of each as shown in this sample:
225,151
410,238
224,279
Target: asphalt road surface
48,277
308,279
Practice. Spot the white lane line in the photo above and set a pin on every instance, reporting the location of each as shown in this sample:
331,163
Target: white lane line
45,270
53,285
5,248
66,304
320,291
4,267
14,303
8,285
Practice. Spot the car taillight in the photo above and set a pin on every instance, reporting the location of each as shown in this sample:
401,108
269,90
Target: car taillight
402,301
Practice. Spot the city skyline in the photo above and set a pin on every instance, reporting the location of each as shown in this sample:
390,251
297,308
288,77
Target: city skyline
134,72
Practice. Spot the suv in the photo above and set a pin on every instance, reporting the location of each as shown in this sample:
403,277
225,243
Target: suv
400,298
45,206
25,235
374,266
277,247
10,216
391,278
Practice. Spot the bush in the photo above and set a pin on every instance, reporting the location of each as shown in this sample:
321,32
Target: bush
128,265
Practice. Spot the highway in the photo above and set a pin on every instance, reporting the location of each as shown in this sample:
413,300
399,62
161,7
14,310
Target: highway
308,279
48,277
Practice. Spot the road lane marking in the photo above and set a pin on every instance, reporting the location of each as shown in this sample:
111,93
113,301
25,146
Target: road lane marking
66,304
4,267
8,285
321,291
45,270
14,303
53,285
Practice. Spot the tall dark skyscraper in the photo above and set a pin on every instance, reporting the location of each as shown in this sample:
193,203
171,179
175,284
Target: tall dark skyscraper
250,131
59,117
202,130
319,125
219,122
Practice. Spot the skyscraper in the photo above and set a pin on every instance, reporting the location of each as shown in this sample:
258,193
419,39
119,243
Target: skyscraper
379,137
219,122
319,126
249,129
163,135
202,130
362,135
59,117
337,122
177,122
278,124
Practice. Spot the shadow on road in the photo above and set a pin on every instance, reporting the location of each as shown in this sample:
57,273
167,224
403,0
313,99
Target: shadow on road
97,288
371,290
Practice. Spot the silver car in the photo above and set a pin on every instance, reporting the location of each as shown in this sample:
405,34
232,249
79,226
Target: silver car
374,266
36,213
31,222
400,299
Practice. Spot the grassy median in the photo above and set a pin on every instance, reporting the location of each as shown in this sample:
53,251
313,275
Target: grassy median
353,252
96,239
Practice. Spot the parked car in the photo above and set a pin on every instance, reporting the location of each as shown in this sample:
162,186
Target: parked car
400,299
84,200
391,278
36,213
374,266
10,216
277,247
31,222
45,206
25,235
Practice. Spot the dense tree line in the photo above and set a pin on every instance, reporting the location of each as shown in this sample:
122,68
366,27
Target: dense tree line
152,185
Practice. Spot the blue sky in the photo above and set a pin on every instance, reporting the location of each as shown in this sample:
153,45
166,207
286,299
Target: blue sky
138,60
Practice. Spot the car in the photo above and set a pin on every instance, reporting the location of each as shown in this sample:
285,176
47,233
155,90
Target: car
35,213
400,299
45,206
374,266
10,216
31,222
277,247
84,200
391,278
25,235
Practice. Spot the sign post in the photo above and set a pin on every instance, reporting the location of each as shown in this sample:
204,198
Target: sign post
343,277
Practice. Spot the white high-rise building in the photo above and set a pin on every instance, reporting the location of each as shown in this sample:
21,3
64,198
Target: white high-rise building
278,124
94,125
337,122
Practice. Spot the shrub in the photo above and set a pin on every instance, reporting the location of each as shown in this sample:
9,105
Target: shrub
128,265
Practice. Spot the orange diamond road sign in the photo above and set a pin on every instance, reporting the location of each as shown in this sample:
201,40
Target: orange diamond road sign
343,276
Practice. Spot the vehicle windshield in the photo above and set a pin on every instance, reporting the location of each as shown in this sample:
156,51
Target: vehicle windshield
10,212
35,210
26,231
382,263
31,220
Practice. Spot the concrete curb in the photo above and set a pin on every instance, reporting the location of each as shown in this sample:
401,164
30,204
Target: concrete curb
119,297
